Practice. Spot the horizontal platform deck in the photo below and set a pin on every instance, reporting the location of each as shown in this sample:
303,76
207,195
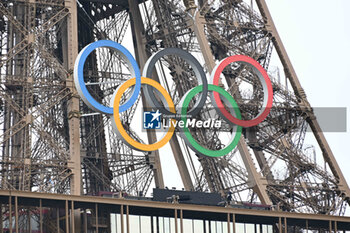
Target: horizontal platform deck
121,206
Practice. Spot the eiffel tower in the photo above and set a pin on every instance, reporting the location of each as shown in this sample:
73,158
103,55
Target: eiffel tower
51,142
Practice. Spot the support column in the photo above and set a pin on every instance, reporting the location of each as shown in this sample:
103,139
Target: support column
228,223
279,225
122,218
72,217
16,212
67,216
41,215
234,223
96,217
10,214
58,220
181,222
71,44
285,225
1,220
127,220
175,217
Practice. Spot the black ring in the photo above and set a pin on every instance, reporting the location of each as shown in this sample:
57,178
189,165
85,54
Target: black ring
198,69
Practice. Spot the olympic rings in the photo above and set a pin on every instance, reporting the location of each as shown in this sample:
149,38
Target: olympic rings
186,135
264,79
198,70
233,116
121,131
79,75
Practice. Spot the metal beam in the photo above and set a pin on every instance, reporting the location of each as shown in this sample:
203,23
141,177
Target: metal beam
137,24
141,57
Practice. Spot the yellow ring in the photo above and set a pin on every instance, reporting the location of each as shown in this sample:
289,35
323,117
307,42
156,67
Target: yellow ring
137,145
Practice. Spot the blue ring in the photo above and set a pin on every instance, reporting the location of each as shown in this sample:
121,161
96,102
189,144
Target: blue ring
79,76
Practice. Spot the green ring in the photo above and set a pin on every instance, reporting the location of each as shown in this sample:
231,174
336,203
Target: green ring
199,148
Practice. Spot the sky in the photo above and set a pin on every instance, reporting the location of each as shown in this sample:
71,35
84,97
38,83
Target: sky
316,35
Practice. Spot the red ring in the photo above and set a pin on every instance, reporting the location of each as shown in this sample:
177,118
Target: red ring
251,61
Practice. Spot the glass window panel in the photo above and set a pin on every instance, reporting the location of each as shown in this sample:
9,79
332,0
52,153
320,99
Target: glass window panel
218,227
161,225
166,225
249,228
207,228
124,222
154,224
198,226
240,227
231,227
146,224
172,225
118,227
265,228
224,227
257,228
113,223
213,226
134,223
269,229
187,224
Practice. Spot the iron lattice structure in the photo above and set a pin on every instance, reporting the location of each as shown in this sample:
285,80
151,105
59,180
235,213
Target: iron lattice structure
52,142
